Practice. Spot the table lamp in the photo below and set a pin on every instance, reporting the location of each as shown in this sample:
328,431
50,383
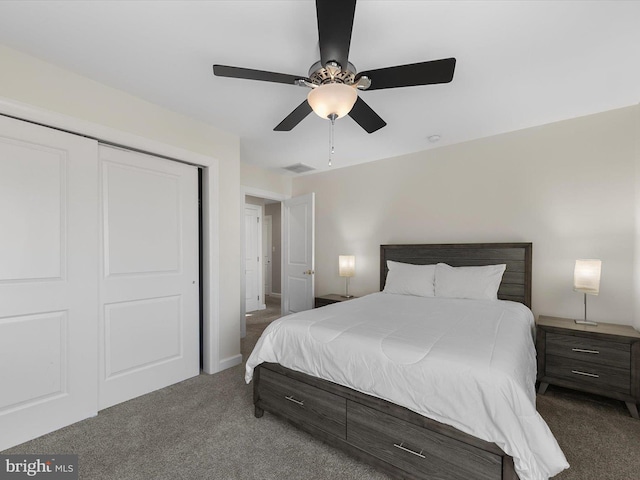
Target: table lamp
586,279
347,269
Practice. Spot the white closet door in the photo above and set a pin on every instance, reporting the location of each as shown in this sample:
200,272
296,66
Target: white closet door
149,287
48,280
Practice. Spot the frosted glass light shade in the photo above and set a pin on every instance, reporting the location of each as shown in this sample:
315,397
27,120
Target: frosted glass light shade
586,276
347,265
331,98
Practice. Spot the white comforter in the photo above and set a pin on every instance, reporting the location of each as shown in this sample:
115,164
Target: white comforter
470,364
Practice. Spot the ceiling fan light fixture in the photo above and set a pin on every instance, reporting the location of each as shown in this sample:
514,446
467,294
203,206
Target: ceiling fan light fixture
332,99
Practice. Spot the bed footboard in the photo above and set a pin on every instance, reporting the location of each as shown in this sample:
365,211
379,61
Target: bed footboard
387,436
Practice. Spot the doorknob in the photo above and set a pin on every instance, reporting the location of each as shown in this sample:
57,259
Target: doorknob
308,272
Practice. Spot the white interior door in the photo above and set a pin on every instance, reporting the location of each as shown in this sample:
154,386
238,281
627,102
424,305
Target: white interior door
252,249
149,287
298,250
48,280
267,255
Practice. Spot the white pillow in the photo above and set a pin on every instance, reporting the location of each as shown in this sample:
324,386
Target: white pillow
409,279
468,282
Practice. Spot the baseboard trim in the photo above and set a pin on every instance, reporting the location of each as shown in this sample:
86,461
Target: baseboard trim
230,362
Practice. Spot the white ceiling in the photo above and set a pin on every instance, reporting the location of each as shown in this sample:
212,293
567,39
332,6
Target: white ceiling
519,64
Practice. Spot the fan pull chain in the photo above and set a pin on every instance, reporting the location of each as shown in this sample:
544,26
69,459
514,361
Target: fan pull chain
332,117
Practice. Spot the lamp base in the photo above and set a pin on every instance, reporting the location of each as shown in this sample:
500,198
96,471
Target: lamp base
586,322
346,296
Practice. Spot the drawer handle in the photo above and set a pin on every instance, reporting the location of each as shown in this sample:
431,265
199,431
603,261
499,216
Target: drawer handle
297,402
402,447
582,350
578,372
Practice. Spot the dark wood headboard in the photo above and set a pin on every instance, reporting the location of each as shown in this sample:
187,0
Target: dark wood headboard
516,281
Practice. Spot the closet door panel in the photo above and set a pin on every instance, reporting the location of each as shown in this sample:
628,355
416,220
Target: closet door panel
48,280
149,330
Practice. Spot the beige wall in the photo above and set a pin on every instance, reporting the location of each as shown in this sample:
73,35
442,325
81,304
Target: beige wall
266,180
34,82
254,201
569,187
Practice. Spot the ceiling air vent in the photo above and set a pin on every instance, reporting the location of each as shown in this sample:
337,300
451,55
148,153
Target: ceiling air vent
299,168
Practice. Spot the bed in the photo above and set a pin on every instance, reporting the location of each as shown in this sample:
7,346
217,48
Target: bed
385,422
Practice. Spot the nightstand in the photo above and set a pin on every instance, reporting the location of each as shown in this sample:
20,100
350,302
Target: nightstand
329,299
602,359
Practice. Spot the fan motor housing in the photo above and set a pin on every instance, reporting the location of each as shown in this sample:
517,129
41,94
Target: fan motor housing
319,75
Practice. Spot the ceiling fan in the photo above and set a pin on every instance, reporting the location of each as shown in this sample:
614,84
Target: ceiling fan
334,81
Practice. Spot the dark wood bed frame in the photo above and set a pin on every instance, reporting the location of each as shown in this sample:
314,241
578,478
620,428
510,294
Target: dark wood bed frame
394,439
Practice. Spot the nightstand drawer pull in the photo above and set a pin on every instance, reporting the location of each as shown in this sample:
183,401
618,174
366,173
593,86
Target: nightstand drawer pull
578,372
408,450
582,350
297,402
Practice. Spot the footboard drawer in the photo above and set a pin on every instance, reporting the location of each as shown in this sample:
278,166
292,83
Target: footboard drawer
420,452
302,404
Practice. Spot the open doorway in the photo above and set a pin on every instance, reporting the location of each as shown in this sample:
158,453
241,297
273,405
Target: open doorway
262,260
296,263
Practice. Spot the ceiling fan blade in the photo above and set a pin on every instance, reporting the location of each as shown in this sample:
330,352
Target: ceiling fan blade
294,118
249,74
335,22
423,73
364,116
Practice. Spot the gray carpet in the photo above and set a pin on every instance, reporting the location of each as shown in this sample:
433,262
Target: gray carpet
267,315
597,435
204,428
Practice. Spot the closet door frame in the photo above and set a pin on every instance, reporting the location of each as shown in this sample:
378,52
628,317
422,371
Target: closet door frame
212,363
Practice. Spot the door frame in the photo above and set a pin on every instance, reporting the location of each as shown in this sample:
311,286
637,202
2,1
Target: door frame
212,362
255,192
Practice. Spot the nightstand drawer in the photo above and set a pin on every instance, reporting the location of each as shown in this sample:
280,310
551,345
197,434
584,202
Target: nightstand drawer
303,403
589,373
602,352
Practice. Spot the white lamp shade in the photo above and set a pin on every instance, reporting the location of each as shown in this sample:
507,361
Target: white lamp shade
347,265
336,98
586,276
